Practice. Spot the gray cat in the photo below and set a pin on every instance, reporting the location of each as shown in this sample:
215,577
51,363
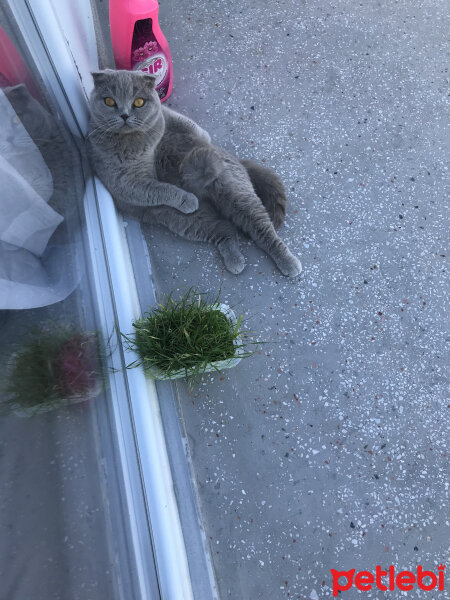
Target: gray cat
161,167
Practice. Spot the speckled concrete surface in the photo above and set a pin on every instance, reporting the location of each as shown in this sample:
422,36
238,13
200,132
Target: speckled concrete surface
328,449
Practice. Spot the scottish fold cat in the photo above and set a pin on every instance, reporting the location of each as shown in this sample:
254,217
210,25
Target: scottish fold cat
161,167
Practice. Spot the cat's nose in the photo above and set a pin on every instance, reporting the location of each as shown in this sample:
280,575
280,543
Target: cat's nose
124,116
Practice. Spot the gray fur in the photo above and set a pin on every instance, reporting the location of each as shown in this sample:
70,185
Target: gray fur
160,167
270,189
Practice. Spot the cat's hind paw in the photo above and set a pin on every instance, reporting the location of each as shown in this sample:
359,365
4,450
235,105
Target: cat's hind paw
235,265
232,257
188,203
290,266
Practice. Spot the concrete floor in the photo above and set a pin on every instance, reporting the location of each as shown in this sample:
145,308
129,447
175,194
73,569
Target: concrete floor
329,448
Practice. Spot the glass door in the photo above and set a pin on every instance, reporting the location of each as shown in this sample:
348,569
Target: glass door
65,500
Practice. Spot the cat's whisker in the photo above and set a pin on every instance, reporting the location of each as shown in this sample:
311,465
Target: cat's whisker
148,128
93,131
104,131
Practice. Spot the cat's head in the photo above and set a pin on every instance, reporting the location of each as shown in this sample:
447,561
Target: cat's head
124,101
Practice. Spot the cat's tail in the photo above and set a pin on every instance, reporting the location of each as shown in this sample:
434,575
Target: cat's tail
269,189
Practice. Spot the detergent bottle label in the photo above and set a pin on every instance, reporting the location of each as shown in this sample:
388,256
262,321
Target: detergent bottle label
155,65
147,56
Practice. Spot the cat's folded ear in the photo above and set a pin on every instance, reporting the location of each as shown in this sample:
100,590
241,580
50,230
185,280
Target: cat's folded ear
102,76
148,79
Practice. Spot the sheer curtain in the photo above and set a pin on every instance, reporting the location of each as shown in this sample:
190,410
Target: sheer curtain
32,268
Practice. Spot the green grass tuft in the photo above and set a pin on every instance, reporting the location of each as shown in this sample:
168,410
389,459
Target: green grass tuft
186,335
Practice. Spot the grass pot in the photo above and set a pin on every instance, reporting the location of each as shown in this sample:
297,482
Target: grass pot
220,365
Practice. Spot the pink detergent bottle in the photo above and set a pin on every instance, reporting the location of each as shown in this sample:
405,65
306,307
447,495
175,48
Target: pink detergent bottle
138,42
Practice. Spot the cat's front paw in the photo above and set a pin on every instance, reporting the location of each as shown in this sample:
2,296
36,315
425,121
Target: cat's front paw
188,203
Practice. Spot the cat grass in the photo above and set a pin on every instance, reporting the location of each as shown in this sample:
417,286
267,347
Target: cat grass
186,335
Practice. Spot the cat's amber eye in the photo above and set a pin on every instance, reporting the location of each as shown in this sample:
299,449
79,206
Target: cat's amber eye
110,101
139,102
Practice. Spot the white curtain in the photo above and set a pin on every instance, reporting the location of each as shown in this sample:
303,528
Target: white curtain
32,274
